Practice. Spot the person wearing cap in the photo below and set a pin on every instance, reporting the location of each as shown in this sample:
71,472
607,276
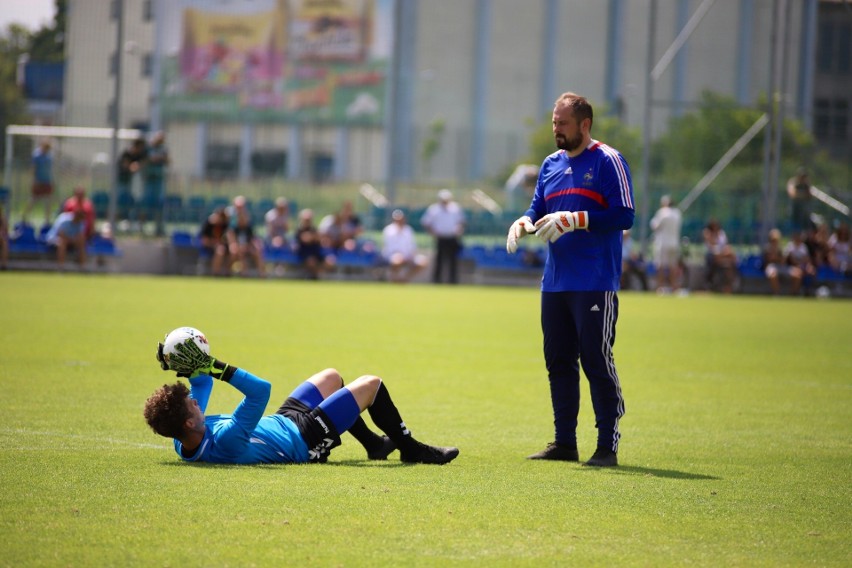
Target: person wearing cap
399,250
445,221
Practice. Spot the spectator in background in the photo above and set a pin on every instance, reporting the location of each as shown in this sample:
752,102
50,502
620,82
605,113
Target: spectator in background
445,221
799,190
341,230
632,264
214,240
42,186
277,223
68,232
775,265
838,244
797,256
155,171
720,258
242,244
78,200
4,239
399,250
130,164
666,225
309,247
816,239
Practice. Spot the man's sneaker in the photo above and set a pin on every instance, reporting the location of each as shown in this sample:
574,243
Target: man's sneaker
603,457
556,451
383,451
428,454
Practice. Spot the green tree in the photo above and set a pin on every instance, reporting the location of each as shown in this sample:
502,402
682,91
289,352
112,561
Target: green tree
14,43
48,43
606,128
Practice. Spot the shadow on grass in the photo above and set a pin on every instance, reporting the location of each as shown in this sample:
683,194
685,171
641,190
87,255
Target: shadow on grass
653,472
347,463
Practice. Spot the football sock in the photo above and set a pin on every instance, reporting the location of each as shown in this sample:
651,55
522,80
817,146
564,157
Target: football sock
369,439
387,418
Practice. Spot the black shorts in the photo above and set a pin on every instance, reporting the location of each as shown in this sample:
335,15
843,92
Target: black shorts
315,426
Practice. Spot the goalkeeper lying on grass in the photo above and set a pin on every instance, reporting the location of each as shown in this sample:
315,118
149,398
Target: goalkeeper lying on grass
305,429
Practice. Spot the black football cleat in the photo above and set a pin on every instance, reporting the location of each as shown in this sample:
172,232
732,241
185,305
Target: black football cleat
603,457
558,452
382,452
429,454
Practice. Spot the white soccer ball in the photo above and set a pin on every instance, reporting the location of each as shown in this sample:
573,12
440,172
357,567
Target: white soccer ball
180,335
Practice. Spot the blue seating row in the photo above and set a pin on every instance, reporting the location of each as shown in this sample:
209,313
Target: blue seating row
25,240
177,209
365,256
496,257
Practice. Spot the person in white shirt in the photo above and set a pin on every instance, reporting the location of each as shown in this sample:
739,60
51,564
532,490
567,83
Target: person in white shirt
445,221
399,250
666,225
277,222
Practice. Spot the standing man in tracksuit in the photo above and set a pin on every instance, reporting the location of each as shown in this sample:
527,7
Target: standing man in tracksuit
583,201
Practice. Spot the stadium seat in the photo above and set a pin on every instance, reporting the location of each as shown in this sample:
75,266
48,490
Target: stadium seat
173,210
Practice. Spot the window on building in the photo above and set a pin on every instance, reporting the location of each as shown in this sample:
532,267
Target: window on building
113,10
148,10
825,47
113,64
844,48
840,120
147,64
822,119
223,161
267,163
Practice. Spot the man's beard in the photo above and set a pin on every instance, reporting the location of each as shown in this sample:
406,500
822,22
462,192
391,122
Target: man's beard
568,144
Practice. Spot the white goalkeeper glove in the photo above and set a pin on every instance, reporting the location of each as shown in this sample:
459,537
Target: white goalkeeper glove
519,229
554,225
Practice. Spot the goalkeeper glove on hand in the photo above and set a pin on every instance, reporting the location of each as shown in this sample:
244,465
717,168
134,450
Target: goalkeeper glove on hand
190,361
519,229
161,359
554,225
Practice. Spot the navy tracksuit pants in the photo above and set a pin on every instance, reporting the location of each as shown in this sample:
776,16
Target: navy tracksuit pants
579,329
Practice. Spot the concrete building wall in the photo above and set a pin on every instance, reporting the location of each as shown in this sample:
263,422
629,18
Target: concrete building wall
445,74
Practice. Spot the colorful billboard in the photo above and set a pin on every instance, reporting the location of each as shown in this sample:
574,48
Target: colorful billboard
311,61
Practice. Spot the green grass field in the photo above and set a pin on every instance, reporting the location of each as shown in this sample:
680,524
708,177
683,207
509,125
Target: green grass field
736,448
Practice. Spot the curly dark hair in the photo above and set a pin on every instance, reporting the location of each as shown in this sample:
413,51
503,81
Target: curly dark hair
166,410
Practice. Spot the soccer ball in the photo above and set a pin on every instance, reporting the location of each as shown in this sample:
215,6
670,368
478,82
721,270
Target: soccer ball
180,335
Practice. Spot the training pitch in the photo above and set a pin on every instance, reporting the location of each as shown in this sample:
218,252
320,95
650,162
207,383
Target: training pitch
736,447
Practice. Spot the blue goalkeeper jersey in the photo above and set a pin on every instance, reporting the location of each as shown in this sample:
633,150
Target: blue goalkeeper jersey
246,436
598,181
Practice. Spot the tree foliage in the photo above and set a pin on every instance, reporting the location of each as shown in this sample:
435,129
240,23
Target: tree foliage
606,128
16,42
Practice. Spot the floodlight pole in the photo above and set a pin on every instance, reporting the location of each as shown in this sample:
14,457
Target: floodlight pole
116,111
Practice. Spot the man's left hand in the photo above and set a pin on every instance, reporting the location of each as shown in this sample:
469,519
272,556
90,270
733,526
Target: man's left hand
554,225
